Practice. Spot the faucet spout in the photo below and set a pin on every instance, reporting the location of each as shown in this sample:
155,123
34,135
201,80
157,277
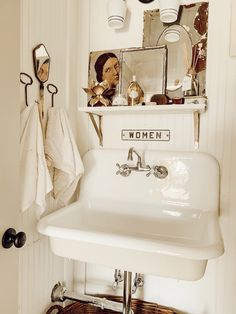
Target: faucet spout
139,166
130,156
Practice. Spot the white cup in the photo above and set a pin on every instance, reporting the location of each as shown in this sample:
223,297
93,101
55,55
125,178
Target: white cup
168,10
116,11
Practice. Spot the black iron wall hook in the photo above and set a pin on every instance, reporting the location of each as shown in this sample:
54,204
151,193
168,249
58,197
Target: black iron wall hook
26,84
52,91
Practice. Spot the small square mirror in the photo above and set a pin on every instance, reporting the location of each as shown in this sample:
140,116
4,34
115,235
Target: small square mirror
148,65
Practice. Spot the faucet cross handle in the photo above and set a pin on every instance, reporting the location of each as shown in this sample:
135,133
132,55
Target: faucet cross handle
160,172
124,170
149,173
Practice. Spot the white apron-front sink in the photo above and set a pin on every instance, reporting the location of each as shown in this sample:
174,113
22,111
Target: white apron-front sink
167,227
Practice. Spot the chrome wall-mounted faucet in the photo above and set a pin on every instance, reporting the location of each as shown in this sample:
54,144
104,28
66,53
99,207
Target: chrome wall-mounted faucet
125,170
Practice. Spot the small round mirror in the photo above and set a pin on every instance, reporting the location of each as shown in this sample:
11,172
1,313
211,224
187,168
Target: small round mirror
179,44
41,63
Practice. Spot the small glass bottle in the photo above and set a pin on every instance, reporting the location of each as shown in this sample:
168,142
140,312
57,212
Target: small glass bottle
135,93
194,90
191,85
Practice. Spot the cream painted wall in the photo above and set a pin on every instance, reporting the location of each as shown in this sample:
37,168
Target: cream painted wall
215,293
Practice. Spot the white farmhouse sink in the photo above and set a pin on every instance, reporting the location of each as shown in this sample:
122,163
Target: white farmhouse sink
167,227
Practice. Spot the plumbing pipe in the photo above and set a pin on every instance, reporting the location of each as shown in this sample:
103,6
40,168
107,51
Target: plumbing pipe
59,294
127,293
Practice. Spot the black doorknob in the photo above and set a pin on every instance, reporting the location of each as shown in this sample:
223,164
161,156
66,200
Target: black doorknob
10,237
145,1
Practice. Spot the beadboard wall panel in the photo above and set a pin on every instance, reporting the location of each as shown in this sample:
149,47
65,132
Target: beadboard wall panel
215,292
53,23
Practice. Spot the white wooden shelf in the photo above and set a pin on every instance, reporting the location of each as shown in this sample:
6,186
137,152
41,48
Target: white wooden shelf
194,109
148,109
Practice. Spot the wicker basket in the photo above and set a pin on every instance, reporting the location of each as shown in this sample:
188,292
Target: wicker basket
138,306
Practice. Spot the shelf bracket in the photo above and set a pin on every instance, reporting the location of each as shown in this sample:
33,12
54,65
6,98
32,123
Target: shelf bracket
97,126
196,117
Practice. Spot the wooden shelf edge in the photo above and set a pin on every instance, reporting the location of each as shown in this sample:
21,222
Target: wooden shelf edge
158,109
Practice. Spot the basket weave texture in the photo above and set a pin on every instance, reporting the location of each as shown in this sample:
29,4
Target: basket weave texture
138,306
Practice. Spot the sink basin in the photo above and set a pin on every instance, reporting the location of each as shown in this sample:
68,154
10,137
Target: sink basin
167,227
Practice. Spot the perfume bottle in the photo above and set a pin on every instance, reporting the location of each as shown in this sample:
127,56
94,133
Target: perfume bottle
135,93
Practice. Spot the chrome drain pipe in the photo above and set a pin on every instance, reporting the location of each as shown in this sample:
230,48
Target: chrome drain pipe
127,293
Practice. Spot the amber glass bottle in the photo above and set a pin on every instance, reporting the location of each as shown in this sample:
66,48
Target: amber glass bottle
135,93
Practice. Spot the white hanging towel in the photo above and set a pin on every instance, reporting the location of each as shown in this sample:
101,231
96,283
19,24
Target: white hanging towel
62,156
36,181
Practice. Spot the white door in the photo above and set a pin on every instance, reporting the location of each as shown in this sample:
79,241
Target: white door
9,150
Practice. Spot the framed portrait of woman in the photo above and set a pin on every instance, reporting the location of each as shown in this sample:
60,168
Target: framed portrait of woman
105,66
103,77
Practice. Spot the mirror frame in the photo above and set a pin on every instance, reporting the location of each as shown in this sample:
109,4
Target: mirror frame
194,16
141,49
35,63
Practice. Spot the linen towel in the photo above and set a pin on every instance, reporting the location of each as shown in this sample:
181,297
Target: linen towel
36,181
62,156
